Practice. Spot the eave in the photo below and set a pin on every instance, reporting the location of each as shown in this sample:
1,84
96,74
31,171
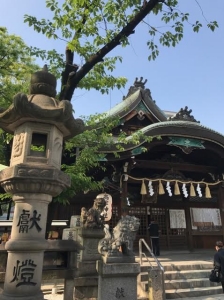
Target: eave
184,129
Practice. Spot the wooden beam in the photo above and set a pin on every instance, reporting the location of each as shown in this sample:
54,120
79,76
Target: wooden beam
152,164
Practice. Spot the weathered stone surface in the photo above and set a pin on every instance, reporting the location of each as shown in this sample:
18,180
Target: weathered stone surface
156,284
30,179
117,281
86,284
40,107
107,270
123,236
87,268
89,239
39,123
86,288
94,218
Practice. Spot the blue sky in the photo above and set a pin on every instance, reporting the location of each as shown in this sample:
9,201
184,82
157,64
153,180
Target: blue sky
192,74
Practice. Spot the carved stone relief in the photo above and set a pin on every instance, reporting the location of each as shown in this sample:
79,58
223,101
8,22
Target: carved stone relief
18,144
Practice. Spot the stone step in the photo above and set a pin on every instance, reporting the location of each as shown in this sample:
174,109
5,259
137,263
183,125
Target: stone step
186,274
180,275
188,283
179,267
184,284
209,297
193,292
183,279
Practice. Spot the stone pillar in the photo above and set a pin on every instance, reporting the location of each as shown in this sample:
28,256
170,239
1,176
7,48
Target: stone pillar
117,280
72,234
39,123
117,268
26,247
86,284
156,284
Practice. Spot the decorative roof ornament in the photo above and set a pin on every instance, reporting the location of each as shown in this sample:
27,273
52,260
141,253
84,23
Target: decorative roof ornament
183,115
138,84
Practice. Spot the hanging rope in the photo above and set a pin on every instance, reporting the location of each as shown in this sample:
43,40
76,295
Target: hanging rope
174,180
177,182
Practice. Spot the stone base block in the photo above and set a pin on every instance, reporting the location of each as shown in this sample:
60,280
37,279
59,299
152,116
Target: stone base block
87,269
86,288
38,296
117,280
89,239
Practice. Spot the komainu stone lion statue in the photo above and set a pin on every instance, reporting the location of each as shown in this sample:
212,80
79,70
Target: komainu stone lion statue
94,217
122,238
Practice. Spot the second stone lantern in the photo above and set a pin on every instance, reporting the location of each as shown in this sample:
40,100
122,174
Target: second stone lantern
39,123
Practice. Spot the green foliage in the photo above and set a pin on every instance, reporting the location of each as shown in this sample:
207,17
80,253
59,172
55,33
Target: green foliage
93,145
5,196
88,26
90,30
16,65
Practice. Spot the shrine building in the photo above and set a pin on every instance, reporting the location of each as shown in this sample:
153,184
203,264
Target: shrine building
176,178
175,175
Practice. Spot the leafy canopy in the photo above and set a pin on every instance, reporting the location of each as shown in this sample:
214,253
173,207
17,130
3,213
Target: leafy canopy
16,66
93,28
92,145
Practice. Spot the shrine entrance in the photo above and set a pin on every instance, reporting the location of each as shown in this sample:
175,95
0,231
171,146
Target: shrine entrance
170,238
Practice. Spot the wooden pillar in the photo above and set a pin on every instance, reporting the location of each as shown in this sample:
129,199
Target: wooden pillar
124,186
188,226
167,228
221,206
124,194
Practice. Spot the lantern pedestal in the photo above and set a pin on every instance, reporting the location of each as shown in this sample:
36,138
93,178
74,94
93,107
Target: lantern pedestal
39,123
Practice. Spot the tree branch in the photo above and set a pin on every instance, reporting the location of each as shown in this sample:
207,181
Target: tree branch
70,68
75,77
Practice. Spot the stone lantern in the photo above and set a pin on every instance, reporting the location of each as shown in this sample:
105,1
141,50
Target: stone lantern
39,123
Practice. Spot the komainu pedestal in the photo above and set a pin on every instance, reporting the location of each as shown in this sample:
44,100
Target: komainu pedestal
117,280
86,284
117,269
91,232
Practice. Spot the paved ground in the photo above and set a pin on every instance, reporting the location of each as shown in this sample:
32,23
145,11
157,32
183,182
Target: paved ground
216,297
166,258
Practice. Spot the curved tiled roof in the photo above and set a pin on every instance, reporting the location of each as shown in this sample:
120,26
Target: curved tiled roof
178,128
184,128
131,102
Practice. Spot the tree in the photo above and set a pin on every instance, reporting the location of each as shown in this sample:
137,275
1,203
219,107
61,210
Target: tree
84,165
94,28
16,65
